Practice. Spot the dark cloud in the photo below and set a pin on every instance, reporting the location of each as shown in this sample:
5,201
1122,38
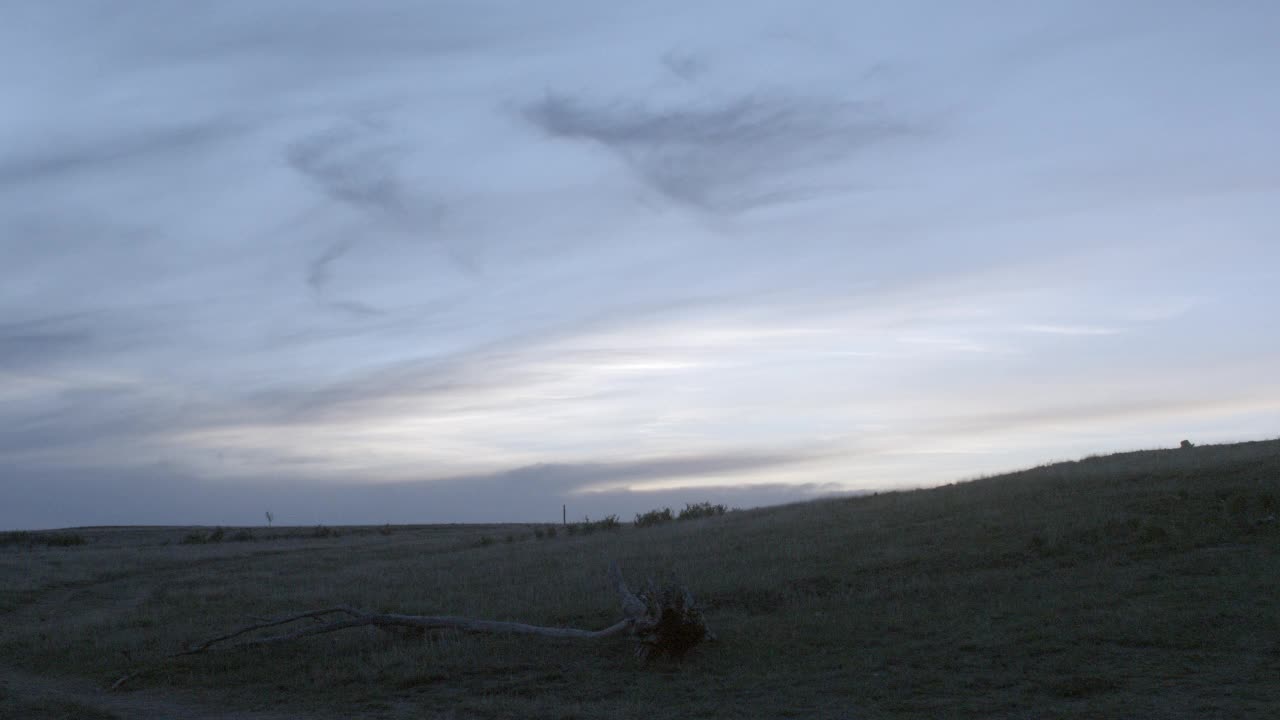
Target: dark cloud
319,276
562,478
724,157
107,153
358,166
415,381
162,494
68,423
40,342
355,167
686,66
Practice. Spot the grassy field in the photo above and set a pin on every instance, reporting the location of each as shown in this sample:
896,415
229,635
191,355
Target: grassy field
1142,585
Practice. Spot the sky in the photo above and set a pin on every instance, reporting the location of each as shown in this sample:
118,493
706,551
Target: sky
473,260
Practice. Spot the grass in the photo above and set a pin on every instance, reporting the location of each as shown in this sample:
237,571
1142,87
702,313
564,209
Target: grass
49,539
1134,585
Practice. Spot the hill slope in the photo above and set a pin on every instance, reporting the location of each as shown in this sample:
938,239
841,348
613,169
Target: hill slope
1140,584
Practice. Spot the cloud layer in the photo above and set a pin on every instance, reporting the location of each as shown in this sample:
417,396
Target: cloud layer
457,261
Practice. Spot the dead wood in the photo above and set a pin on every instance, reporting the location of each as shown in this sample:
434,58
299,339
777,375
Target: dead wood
664,620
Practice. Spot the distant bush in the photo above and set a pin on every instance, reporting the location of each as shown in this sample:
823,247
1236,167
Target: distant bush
551,531
195,538
589,526
243,536
486,541
654,517
322,531
693,511
31,539
385,529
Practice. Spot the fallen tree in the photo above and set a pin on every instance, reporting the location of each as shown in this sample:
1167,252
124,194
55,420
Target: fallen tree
665,621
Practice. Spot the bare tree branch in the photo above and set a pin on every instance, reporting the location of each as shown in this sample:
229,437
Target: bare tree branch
664,621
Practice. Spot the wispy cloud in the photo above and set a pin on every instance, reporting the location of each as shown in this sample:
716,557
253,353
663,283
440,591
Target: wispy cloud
244,255
1046,329
352,165
111,151
39,342
726,156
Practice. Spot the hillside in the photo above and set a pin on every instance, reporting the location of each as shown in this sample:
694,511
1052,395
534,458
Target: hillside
1141,584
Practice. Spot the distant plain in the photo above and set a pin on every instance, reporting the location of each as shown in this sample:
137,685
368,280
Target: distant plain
1140,585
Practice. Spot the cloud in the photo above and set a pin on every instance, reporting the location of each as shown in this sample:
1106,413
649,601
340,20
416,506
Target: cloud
319,276
111,151
603,477
728,156
162,493
81,423
359,166
39,342
685,66
1051,329
353,166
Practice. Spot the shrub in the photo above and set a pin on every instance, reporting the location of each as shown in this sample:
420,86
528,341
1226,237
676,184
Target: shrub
322,531
243,536
654,517
693,511
195,538
485,541
385,529
588,526
17,537
551,531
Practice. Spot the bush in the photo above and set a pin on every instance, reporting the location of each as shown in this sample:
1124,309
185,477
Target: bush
485,541
196,538
385,529
654,517
588,526
322,531
693,511
551,531
243,536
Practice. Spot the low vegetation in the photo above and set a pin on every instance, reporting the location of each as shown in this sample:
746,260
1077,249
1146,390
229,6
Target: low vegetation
23,538
1134,585
654,517
696,511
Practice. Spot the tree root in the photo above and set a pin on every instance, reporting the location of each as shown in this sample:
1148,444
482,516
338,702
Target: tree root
665,621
